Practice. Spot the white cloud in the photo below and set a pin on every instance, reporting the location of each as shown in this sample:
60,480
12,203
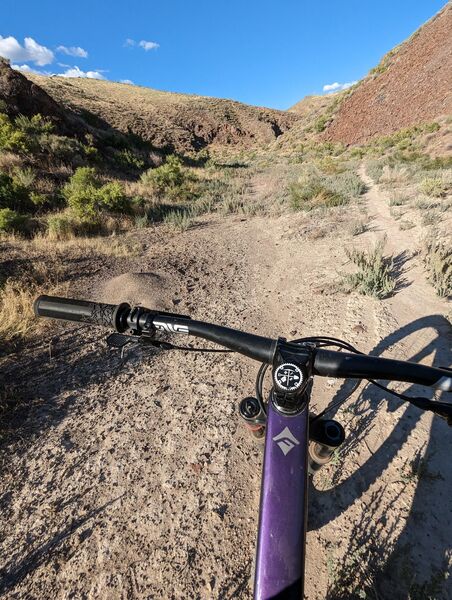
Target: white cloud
336,87
129,42
148,45
76,72
129,81
73,51
26,69
31,51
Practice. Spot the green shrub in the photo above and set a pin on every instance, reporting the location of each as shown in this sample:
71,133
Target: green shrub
321,123
88,198
61,226
60,146
129,159
348,184
33,126
24,177
171,179
397,200
10,138
67,224
312,193
13,195
10,220
314,190
112,198
374,276
374,169
330,166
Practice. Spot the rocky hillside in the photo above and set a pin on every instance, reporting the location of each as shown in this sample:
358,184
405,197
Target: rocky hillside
20,96
177,122
412,84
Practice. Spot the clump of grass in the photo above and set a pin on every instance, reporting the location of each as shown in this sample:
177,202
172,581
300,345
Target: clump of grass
438,262
374,169
434,186
424,203
314,194
374,277
16,309
395,214
315,190
405,225
397,200
179,219
358,227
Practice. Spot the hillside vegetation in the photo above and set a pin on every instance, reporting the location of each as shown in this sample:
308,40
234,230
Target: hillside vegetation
173,122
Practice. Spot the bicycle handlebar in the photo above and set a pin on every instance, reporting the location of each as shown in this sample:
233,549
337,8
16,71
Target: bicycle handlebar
327,363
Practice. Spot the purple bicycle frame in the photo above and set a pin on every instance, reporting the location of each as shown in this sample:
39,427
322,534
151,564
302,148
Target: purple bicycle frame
280,551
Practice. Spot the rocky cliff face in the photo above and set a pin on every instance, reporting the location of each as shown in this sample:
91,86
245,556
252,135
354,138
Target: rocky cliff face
412,84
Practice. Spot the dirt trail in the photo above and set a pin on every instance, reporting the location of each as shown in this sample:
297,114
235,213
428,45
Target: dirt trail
136,480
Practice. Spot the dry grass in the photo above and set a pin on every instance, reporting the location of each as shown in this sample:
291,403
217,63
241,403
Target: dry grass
10,161
17,294
118,246
17,319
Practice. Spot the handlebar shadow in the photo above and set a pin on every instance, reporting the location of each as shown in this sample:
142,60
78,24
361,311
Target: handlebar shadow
393,556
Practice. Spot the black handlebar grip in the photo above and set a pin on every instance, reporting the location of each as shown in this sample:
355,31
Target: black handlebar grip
107,315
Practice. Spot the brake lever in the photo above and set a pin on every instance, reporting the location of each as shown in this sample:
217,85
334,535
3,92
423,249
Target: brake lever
121,340
442,409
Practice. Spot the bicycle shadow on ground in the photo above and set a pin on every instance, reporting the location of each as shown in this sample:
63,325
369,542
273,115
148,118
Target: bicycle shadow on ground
380,561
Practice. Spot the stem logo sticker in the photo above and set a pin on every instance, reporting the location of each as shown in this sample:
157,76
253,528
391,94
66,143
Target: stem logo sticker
286,440
288,377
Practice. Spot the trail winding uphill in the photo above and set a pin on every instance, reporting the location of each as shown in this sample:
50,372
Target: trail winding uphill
134,479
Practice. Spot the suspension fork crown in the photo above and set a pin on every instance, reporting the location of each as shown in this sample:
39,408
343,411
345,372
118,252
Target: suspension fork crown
292,377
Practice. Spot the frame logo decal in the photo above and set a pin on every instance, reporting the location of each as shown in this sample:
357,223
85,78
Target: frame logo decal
286,440
170,328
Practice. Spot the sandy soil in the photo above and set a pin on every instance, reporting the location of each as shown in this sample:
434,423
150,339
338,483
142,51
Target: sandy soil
133,478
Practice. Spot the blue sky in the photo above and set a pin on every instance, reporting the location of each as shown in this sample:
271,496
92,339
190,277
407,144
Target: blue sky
256,51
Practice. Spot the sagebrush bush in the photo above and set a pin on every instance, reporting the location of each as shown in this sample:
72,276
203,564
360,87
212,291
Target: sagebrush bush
314,190
13,195
171,180
11,138
127,158
312,193
24,177
434,186
374,169
10,220
33,126
374,276
60,146
179,219
437,257
88,198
